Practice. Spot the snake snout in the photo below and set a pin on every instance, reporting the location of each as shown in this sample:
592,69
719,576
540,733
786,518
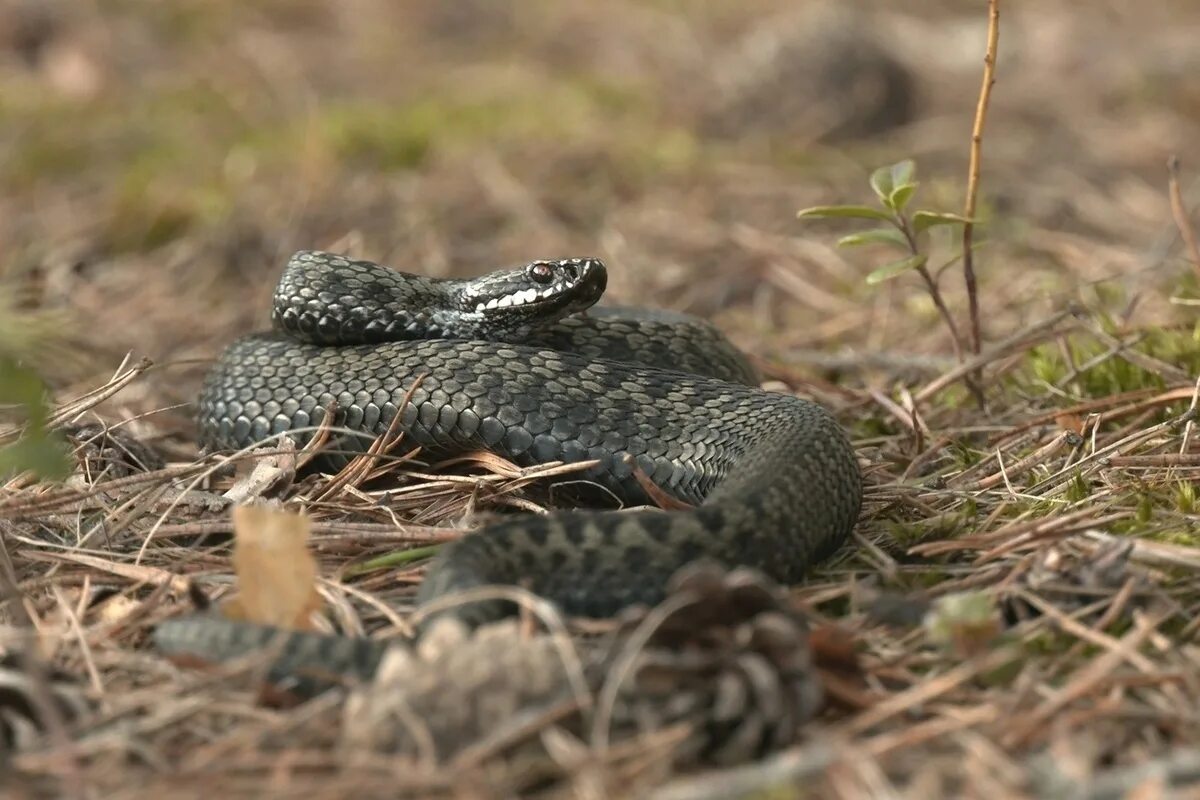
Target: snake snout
591,276
570,273
566,285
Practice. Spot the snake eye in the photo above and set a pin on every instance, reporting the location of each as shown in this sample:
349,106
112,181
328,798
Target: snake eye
541,273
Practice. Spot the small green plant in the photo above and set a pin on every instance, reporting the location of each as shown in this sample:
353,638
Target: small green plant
28,337
39,449
966,623
895,187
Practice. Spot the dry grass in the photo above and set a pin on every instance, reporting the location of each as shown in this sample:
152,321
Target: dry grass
161,160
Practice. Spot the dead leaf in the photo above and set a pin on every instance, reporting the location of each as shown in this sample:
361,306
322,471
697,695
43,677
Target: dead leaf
1070,422
276,573
271,476
835,648
117,609
70,69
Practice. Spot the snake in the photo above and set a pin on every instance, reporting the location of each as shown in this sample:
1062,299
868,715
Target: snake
525,364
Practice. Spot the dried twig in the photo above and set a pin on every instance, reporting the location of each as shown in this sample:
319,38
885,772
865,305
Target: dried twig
1179,211
1086,679
784,769
1023,338
968,234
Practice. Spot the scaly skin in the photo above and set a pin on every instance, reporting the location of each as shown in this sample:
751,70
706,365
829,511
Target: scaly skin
775,478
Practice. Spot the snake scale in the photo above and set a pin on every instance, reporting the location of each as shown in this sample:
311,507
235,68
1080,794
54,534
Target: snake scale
507,363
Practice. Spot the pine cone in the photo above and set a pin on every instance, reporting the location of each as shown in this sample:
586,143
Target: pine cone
822,72
455,689
111,452
724,654
727,654
1071,578
20,719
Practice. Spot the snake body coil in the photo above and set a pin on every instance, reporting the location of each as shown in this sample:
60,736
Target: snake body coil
774,477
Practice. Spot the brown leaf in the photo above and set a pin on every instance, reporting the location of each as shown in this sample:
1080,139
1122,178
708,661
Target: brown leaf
276,573
656,494
117,609
1070,422
835,649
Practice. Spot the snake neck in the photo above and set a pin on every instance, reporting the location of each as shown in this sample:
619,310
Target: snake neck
327,299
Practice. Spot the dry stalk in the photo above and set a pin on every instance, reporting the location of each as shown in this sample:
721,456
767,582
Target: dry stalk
968,235
1179,211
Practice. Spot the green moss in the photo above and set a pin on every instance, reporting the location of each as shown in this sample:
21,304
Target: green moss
963,455
1183,537
1188,285
1185,497
1005,674
383,138
870,427
955,396
1111,373
672,151
1048,641
51,137
970,508
1145,509
1177,346
944,526
401,137
188,23
1078,488
1046,365
39,156
929,577
156,200
159,161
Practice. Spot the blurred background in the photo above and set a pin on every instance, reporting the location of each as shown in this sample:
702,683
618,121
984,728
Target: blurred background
161,160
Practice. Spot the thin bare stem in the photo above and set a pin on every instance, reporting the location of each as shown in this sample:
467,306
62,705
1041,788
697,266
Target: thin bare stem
935,294
985,94
972,382
1179,211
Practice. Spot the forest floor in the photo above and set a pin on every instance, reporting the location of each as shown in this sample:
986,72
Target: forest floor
1016,614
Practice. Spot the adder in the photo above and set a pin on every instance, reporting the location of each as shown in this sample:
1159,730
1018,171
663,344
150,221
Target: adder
508,363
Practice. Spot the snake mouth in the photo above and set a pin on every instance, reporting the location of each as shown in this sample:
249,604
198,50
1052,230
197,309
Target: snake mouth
550,288
527,298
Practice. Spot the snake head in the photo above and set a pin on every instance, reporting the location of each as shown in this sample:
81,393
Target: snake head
535,295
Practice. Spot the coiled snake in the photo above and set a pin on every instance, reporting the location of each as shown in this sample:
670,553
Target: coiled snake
508,365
